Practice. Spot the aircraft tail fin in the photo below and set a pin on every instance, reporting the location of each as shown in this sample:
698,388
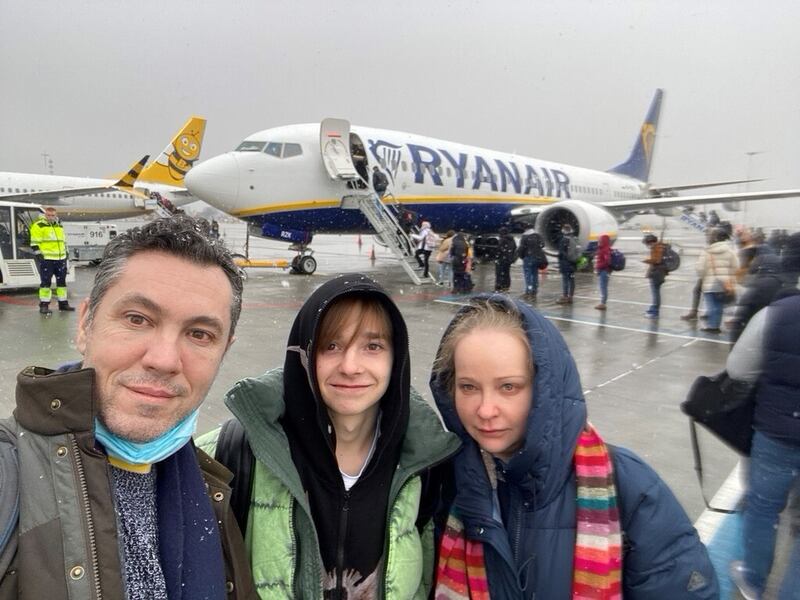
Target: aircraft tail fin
638,163
178,157
127,180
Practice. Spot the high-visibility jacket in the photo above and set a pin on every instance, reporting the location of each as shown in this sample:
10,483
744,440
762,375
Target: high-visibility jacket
49,238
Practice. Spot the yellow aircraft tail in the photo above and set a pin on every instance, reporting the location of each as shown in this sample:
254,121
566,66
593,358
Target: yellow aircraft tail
127,180
178,157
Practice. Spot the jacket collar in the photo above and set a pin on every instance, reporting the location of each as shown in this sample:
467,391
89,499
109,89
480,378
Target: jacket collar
52,402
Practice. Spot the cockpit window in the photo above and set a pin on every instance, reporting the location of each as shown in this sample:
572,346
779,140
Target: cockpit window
250,146
273,149
290,150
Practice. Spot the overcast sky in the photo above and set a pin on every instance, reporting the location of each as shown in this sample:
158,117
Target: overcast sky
97,84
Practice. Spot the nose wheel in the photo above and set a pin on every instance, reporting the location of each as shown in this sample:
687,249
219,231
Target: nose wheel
304,264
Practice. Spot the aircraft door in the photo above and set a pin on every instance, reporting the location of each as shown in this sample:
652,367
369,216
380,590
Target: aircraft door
334,143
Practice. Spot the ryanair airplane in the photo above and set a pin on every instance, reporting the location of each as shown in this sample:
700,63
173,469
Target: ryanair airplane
140,191
290,182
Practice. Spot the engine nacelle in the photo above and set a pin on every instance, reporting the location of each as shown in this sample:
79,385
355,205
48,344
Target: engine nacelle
588,221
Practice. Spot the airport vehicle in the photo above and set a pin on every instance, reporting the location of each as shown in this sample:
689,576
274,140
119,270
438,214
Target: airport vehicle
86,241
18,265
289,182
144,189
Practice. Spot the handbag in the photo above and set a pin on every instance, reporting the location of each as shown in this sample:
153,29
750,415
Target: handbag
724,406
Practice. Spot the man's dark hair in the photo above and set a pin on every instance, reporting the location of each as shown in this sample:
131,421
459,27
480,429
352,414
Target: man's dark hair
181,236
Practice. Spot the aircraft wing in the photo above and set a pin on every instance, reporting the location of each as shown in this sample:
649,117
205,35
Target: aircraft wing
668,190
672,201
53,197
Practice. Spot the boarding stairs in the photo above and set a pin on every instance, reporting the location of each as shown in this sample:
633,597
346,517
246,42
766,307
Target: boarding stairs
383,219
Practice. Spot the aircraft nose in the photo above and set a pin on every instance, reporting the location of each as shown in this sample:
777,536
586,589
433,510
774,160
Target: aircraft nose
216,181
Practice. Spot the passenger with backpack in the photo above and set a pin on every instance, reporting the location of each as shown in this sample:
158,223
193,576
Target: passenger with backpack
569,252
460,257
602,264
656,273
343,487
379,181
506,255
531,251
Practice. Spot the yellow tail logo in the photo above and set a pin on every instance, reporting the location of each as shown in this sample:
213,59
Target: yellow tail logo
648,139
176,159
127,180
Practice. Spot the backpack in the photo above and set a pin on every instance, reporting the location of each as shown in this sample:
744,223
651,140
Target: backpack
379,182
573,249
617,260
670,259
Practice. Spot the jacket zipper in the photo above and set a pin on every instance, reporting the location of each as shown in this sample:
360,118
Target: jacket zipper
343,518
87,512
292,521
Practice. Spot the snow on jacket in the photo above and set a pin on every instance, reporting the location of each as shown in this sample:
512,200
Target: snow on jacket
717,264
531,555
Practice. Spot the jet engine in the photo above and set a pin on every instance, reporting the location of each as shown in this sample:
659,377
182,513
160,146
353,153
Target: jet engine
588,221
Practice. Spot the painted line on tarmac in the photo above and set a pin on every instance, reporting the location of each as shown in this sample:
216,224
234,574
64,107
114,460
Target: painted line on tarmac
634,302
680,336
728,497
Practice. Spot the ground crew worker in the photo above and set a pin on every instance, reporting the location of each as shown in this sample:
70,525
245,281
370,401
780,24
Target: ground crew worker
50,246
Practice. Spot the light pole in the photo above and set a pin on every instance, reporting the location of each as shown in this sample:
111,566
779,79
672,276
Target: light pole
750,156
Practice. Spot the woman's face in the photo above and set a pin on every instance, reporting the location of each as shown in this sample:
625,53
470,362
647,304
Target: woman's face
493,383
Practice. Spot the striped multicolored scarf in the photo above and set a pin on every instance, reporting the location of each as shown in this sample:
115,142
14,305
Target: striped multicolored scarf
597,572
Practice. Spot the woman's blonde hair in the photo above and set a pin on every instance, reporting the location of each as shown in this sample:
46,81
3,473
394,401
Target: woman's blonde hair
480,314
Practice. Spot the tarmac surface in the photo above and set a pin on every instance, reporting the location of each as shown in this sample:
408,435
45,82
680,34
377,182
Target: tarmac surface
635,371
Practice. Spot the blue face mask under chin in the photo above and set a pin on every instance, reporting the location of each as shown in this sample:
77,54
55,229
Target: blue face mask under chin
147,453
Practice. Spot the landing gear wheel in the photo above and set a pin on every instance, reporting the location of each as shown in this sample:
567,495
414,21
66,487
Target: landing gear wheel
304,264
307,264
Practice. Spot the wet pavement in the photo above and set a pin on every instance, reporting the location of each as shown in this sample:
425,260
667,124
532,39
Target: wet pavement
635,371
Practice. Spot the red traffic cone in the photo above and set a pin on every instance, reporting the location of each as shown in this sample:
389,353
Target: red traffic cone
359,240
372,253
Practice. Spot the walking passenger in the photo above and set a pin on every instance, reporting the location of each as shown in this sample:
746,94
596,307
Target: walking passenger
717,267
768,353
603,267
531,251
342,490
656,273
426,242
506,255
542,507
444,261
568,255
114,501
461,261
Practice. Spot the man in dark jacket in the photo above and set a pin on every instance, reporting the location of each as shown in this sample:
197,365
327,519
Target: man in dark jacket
531,251
506,255
379,182
114,501
768,353
567,263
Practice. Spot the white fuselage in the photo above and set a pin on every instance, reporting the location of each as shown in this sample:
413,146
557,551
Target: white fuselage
111,204
454,186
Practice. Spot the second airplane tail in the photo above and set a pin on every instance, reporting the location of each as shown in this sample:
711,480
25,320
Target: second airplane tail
178,157
638,163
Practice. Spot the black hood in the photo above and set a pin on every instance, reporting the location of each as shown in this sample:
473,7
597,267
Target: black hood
312,439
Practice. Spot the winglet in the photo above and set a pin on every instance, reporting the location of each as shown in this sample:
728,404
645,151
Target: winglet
178,157
127,180
638,163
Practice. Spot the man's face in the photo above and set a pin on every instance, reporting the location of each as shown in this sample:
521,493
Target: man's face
156,342
51,215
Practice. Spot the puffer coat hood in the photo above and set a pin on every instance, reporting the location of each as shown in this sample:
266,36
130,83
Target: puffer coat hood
557,416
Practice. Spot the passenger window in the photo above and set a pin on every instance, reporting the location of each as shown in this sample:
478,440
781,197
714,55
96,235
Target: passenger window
448,171
413,167
250,146
403,166
290,150
273,149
